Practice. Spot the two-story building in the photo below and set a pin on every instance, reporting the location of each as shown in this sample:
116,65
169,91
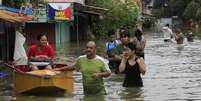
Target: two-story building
63,21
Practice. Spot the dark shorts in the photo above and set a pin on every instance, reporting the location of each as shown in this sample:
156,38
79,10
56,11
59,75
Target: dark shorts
167,40
41,67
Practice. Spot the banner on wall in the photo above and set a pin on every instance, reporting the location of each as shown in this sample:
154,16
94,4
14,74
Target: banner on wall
60,11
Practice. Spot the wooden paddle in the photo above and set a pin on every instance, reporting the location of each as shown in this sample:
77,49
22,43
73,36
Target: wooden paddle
13,68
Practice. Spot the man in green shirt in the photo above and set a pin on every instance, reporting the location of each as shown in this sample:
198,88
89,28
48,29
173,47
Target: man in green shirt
93,69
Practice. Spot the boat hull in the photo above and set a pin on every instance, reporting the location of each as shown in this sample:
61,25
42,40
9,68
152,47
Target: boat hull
29,83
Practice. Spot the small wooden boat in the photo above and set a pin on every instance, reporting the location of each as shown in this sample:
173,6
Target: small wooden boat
43,81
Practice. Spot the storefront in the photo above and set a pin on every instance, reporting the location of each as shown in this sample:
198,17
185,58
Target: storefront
9,22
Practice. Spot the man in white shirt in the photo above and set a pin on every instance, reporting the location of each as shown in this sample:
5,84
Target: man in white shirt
168,34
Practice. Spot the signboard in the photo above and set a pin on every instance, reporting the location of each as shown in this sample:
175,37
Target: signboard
66,1
60,11
42,15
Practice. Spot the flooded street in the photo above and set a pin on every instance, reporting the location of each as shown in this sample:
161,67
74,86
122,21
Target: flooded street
172,74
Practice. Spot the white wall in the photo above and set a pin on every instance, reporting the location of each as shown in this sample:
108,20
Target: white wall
162,22
165,21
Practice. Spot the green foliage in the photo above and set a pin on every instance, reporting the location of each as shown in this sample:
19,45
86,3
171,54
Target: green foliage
198,14
191,10
158,4
197,1
186,9
14,3
148,22
147,2
157,13
118,14
161,8
176,7
170,8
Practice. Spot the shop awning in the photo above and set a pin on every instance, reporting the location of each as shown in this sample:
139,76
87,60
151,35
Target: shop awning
92,10
13,17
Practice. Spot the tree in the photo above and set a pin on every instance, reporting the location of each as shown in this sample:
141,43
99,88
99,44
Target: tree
198,14
176,7
191,10
13,3
158,4
119,14
168,8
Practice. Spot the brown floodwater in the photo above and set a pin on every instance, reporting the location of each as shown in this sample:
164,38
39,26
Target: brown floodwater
173,73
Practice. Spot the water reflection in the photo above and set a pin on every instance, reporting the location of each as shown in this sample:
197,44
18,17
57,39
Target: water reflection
6,85
135,94
93,98
170,73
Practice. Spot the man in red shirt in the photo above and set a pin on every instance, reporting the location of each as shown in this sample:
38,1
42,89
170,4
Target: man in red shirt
41,55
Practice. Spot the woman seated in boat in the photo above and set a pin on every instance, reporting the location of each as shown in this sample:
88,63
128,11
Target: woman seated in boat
41,55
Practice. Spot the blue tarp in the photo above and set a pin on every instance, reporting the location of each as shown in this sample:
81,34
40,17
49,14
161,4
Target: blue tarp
14,10
3,74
